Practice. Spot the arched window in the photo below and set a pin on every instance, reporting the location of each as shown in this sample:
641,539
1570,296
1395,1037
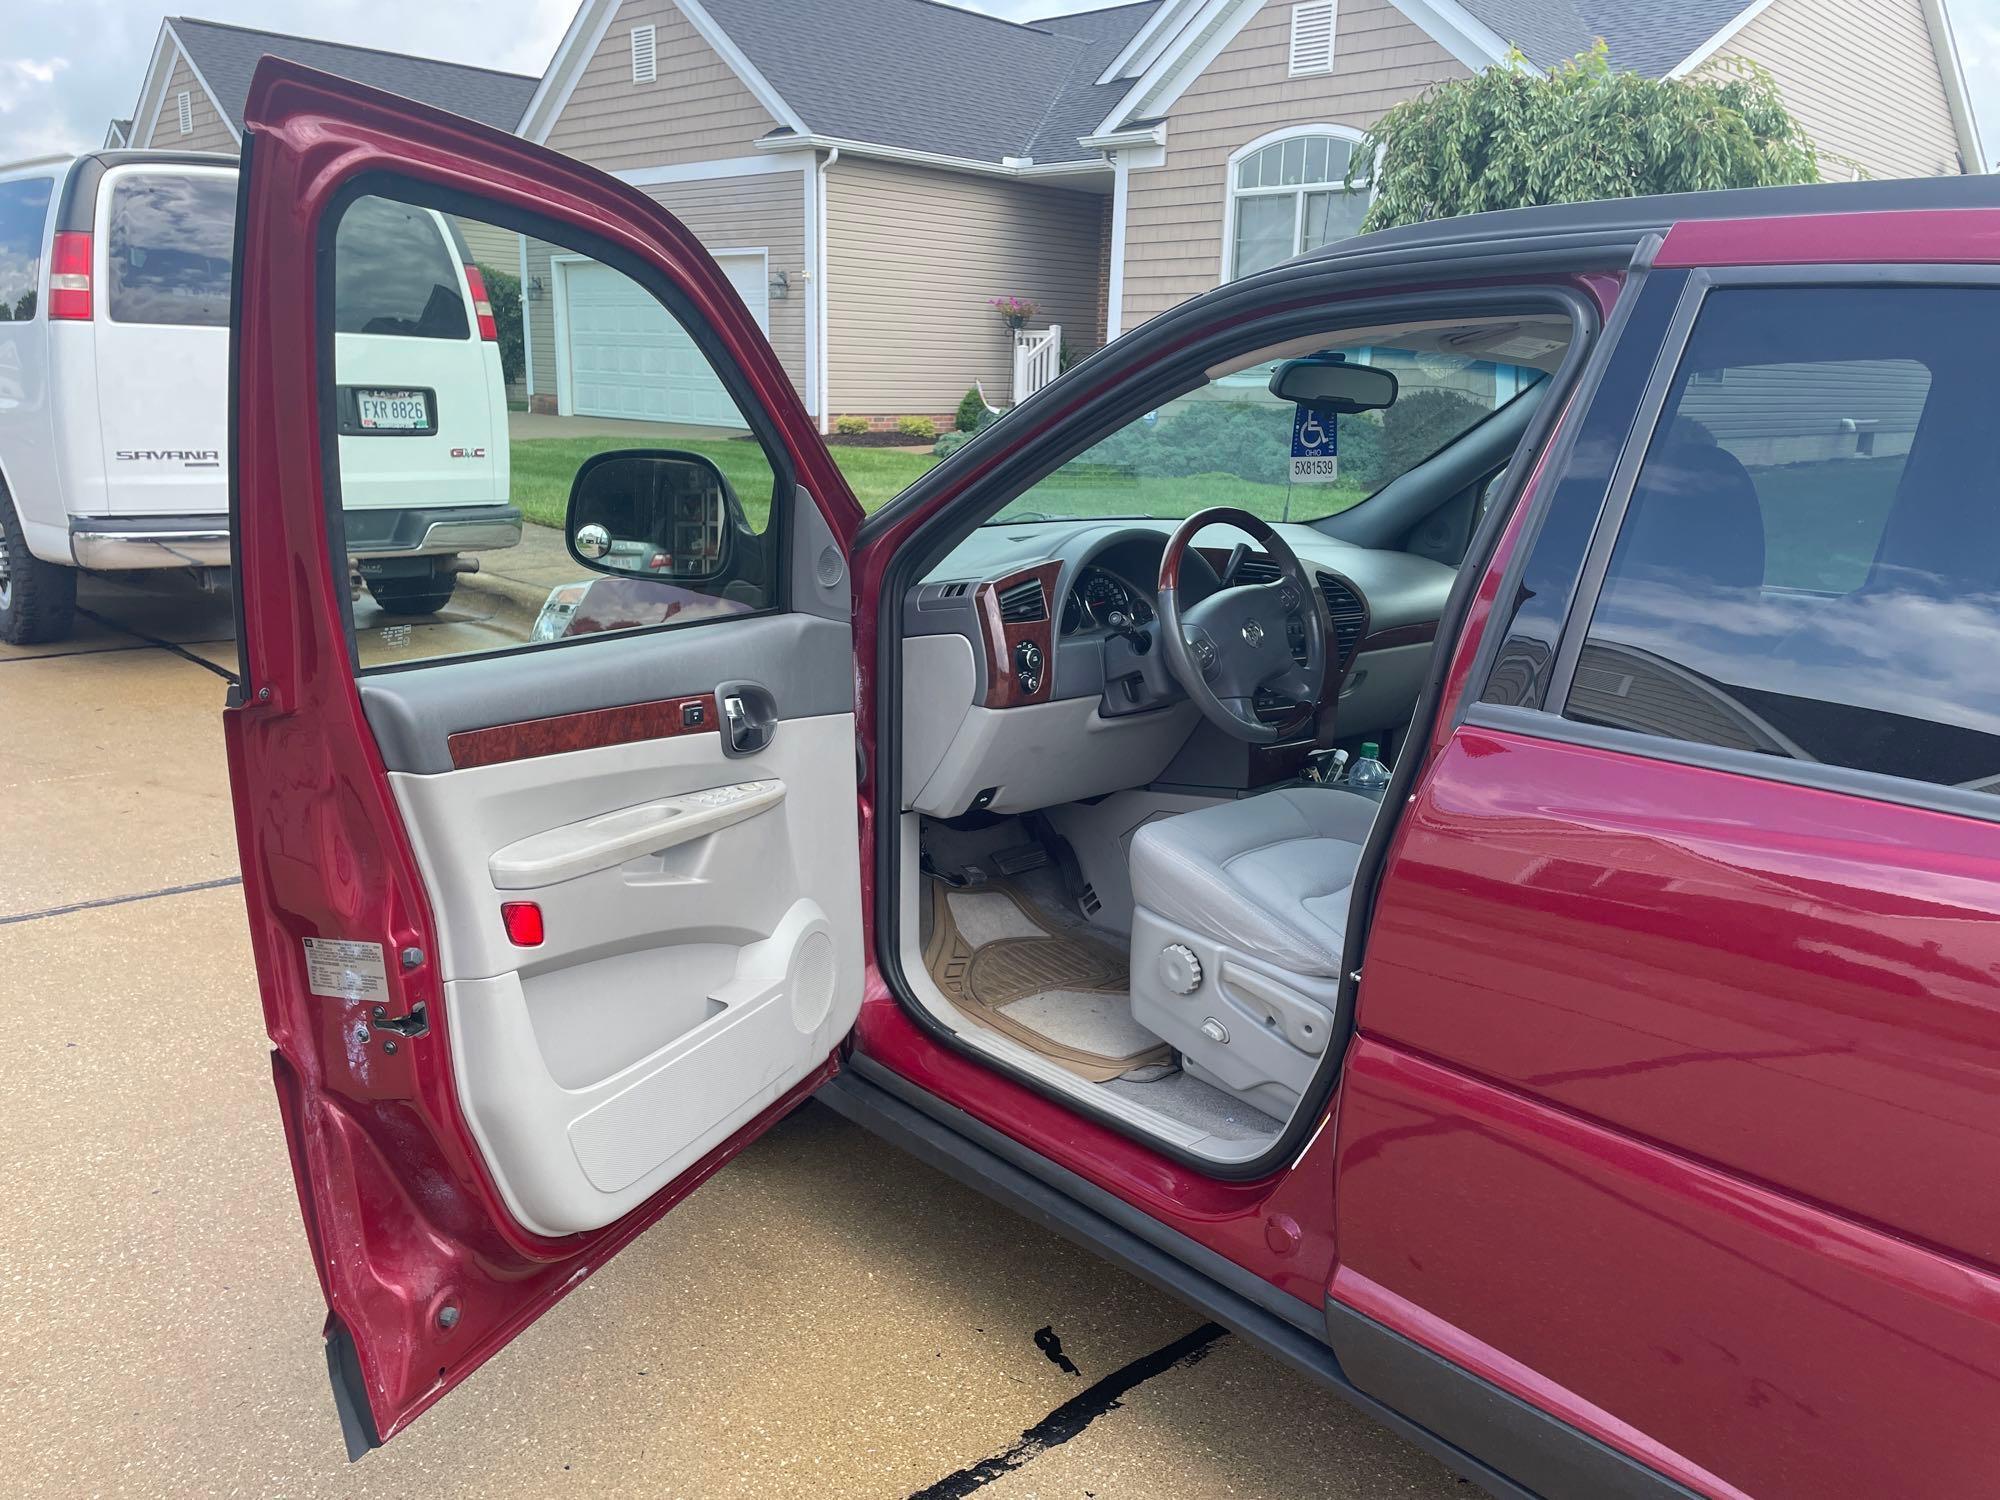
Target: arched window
1288,194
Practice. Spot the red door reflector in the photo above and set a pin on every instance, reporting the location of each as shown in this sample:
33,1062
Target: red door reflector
523,921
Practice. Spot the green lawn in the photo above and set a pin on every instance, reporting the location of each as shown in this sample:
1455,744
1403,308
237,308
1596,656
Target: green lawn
1823,521
544,467
1086,489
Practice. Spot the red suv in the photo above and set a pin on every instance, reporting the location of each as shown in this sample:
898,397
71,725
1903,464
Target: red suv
1590,1079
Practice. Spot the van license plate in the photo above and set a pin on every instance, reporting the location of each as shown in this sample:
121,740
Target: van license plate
393,411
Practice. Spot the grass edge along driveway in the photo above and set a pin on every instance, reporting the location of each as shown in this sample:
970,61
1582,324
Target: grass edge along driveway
542,469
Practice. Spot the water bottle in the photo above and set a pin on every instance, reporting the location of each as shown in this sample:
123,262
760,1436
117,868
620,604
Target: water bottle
1368,775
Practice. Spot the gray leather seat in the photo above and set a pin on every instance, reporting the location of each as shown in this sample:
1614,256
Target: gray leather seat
1268,876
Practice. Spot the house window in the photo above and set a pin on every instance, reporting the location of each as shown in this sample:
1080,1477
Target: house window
1290,196
185,104
645,60
1312,37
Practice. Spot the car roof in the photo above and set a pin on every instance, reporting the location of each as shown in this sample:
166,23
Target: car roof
78,208
1607,227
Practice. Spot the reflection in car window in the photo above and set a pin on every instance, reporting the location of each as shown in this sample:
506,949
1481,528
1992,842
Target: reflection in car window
1810,565
1229,442
442,461
394,274
172,240
24,209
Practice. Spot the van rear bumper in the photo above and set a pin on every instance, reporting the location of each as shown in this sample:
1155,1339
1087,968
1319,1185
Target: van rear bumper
115,542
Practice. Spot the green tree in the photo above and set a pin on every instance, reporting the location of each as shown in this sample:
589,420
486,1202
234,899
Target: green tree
1511,137
503,295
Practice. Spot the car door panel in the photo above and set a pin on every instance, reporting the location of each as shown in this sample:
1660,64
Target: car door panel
1680,1084
681,984
477,1125
1673,1075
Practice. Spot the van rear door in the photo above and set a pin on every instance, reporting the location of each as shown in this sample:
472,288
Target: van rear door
163,243
422,404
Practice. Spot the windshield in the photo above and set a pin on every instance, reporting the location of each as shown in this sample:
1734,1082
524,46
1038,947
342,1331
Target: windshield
1231,442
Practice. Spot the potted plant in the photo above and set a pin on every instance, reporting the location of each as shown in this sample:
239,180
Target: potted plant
1014,311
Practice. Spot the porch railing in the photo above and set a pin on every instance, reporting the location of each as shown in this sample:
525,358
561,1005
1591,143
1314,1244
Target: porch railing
1037,359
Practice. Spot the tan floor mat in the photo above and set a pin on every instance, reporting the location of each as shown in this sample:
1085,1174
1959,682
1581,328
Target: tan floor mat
1002,962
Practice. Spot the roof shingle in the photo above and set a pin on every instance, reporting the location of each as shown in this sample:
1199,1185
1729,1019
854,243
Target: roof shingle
925,76
1648,36
226,56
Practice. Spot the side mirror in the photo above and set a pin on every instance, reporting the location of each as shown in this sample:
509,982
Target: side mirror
1332,385
654,513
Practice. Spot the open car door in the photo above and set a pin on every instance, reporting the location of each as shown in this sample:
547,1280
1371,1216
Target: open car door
547,925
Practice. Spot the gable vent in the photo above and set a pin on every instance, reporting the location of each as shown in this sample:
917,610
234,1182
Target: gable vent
1312,37
184,102
645,56
1024,603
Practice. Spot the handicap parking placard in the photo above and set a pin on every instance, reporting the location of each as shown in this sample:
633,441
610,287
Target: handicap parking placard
1315,447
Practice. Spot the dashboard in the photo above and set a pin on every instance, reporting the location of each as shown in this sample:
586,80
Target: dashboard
1020,691
1096,596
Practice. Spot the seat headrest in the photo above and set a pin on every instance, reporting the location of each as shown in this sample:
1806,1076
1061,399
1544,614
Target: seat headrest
1694,518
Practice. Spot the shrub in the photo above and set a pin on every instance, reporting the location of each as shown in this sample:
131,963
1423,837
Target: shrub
950,442
921,428
972,413
850,426
1510,137
503,295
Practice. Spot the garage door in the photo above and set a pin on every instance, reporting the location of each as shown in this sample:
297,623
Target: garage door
628,358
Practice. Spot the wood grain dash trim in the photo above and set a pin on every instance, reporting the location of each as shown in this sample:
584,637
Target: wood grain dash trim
1003,688
662,719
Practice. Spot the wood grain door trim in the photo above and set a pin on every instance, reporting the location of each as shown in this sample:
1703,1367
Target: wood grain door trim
661,719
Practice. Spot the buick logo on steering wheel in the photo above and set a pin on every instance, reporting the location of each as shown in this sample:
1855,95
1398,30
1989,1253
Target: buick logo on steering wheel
1253,632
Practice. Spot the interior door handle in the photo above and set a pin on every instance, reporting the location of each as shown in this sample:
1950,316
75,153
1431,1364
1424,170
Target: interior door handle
749,717
746,735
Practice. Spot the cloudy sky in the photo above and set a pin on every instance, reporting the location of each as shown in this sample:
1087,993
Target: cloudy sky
68,66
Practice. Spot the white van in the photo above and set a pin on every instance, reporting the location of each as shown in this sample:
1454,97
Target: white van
114,364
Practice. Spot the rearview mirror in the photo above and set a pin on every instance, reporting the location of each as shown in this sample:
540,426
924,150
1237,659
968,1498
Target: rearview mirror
655,513
1330,384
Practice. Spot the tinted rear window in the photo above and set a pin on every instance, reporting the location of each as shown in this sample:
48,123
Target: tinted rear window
1810,566
394,274
24,206
169,247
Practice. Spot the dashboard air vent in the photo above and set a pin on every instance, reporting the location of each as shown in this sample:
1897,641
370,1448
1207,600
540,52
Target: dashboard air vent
1256,569
1348,613
1024,602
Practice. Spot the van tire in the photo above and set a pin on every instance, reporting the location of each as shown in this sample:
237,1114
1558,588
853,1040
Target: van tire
37,599
424,594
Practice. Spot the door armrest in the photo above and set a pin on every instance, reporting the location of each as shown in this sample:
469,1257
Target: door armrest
610,839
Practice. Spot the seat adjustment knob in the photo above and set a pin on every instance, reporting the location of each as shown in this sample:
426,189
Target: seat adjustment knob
1180,970
1215,1031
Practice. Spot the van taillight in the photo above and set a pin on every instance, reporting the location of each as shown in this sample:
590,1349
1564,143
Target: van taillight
481,308
69,277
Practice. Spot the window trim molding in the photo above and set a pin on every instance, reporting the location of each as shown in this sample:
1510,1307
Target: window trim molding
1548,721
1230,192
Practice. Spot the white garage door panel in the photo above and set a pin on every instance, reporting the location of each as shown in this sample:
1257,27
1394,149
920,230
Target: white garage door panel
629,358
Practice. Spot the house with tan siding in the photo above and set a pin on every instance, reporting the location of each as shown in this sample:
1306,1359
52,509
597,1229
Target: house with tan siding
888,166
871,173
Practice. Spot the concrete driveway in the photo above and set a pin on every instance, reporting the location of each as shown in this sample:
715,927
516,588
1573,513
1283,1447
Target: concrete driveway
825,1317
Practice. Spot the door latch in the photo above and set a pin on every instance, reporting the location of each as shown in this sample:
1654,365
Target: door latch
416,1023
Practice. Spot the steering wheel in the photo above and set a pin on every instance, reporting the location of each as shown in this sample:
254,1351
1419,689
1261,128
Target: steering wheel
1238,639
